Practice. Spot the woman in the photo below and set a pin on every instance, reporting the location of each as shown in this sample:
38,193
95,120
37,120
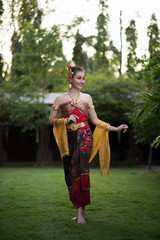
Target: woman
75,144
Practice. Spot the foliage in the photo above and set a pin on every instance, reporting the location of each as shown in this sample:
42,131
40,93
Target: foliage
145,118
29,13
35,51
131,38
79,55
154,36
1,57
146,115
1,10
1,67
37,64
106,54
112,96
26,111
115,60
102,38
40,51
16,62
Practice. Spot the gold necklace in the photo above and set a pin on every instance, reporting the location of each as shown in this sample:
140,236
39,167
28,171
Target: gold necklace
74,100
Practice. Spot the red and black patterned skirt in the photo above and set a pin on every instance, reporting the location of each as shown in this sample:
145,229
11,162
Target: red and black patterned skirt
76,166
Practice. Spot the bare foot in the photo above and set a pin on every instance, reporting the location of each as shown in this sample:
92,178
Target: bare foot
80,219
84,213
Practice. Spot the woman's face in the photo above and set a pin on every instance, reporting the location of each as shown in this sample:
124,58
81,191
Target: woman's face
78,80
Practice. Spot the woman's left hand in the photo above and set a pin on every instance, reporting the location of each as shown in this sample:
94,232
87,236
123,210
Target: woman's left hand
122,127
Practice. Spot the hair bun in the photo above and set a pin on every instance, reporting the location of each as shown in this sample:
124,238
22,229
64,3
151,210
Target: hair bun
71,64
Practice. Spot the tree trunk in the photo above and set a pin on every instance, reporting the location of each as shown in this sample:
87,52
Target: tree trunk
120,69
44,154
133,153
150,158
3,153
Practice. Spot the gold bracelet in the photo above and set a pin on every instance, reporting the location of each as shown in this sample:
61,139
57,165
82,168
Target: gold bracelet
91,108
108,128
55,108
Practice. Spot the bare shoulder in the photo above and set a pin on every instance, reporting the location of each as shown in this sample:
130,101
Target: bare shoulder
60,99
87,97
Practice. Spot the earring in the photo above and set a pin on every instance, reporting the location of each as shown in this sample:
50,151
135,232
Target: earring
70,84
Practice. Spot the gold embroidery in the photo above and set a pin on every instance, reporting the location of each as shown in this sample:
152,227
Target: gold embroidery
75,126
91,107
67,108
55,108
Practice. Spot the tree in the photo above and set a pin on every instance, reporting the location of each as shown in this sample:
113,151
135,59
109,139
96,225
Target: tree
146,115
154,36
34,48
112,96
120,22
103,36
40,50
131,38
37,53
1,10
29,13
115,60
1,57
79,55
15,50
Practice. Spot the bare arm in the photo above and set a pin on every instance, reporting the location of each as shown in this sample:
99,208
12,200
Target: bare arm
94,119
54,112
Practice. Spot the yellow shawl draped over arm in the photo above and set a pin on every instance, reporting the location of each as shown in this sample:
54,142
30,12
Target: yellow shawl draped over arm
60,134
101,144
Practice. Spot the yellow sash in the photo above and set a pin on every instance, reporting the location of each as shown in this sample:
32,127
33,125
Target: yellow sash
101,144
60,133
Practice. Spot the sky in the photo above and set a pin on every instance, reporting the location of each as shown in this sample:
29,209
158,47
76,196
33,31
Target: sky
66,10
139,10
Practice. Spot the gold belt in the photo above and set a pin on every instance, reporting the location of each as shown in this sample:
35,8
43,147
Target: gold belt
75,126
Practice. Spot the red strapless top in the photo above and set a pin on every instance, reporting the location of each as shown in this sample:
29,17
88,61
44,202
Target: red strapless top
80,110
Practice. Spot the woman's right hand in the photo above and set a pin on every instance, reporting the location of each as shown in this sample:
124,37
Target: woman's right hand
72,119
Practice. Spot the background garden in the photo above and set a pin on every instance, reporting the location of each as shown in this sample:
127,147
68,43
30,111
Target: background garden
34,201
38,68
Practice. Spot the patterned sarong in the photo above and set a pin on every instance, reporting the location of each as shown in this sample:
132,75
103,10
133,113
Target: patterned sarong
76,166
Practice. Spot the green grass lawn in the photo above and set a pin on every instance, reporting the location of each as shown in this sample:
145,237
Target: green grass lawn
34,205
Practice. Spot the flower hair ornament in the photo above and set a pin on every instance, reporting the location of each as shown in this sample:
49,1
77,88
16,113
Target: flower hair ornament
70,73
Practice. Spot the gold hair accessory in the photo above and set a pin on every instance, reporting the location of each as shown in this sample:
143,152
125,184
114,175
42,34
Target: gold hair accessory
70,73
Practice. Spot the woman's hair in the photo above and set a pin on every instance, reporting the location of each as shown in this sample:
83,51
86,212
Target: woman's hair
72,68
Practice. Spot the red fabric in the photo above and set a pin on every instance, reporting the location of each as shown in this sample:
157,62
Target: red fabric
83,200
79,192
82,117
85,182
